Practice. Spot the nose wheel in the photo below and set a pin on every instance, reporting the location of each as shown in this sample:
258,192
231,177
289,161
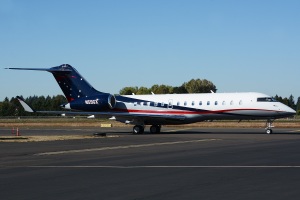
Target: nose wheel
269,131
269,126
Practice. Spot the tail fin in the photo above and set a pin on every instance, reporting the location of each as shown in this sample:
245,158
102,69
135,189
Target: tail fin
72,84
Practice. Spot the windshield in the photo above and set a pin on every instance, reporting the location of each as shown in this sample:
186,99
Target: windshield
266,99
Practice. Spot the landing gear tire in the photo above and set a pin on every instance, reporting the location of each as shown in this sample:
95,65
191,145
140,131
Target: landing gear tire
155,129
138,129
269,131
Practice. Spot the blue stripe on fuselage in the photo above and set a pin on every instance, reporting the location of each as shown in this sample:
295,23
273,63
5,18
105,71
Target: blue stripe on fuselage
175,107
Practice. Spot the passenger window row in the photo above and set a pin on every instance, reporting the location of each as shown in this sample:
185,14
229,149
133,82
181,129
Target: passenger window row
185,103
193,103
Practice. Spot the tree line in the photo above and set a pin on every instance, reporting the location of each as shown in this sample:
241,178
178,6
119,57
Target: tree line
193,86
12,107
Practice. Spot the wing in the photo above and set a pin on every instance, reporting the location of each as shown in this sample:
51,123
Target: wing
123,115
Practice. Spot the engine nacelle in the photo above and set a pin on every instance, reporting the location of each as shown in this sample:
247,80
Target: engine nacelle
100,102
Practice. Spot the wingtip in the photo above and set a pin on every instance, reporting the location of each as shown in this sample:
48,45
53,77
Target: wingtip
26,107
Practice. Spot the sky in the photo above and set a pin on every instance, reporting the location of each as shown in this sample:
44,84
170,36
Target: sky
241,46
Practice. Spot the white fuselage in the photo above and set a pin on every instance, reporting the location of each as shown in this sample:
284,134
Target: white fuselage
207,106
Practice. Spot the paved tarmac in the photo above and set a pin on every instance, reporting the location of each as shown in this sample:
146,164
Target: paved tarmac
181,163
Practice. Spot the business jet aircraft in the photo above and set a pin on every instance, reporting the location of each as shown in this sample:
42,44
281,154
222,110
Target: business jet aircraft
162,109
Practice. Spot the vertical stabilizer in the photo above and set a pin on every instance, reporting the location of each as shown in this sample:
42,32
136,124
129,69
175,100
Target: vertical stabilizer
72,84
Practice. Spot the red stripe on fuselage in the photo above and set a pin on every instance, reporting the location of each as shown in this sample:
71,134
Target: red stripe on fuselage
178,112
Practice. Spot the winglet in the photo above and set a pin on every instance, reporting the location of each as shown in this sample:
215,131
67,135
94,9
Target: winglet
26,107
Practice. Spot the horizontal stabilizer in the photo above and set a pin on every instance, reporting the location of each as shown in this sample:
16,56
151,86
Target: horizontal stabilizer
53,69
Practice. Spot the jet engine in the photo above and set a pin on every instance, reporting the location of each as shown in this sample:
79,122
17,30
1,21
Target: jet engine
100,102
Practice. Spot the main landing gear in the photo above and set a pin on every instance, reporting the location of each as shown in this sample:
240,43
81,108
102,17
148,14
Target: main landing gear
139,129
269,126
155,129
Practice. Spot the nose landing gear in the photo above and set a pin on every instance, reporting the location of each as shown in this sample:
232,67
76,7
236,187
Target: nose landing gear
269,126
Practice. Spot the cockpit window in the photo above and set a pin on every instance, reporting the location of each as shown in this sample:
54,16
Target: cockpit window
266,99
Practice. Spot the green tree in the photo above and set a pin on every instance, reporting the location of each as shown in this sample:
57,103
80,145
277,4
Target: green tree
162,89
199,86
48,103
143,90
14,108
180,90
193,86
57,101
154,88
298,106
128,90
291,102
6,108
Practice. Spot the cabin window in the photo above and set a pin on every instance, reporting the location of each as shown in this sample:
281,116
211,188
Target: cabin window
155,104
185,103
216,103
200,103
135,103
193,103
208,103
178,103
223,103
162,104
241,102
148,104
231,102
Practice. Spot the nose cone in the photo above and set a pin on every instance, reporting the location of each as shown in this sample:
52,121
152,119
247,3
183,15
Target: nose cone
292,111
288,111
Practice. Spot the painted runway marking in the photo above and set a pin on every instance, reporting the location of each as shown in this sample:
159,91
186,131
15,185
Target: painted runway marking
176,130
295,131
122,147
170,167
